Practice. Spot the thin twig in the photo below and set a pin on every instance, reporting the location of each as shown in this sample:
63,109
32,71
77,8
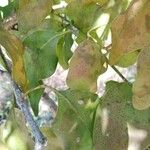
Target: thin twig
119,73
23,105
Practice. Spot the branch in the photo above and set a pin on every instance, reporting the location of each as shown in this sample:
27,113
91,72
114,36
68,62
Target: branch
23,105
119,73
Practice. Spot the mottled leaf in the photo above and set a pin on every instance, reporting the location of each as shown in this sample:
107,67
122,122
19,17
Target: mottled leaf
83,19
85,66
113,116
73,120
33,14
131,30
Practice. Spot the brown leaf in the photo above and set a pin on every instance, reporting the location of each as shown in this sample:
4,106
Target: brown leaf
33,13
131,30
141,87
85,66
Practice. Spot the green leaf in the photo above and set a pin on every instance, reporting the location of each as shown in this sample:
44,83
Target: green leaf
73,120
33,14
128,59
7,10
64,50
83,20
40,60
113,116
100,2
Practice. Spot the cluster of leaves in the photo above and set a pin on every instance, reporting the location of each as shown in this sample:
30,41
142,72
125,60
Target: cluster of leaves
45,37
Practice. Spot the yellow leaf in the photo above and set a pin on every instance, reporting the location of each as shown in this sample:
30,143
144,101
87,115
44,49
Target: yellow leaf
15,49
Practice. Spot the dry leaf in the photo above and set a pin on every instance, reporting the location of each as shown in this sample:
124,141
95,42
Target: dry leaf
131,30
141,87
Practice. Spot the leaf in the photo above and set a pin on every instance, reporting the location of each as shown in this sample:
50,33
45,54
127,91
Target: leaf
73,121
40,60
127,34
141,87
33,14
15,49
83,20
85,66
52,140
113,116
7,10
64,50
128,59
100,2
110,130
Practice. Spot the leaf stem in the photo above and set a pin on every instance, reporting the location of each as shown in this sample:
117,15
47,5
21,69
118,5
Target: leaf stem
57,35
34,89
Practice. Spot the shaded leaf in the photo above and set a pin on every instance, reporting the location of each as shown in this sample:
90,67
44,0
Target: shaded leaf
130,31
15,49
141,87
85,66
40,60
64,50
33,14
113,116
73,120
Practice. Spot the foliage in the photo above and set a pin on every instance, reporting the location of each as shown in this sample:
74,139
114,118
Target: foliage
46,36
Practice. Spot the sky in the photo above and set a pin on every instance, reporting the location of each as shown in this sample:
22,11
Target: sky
3,3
